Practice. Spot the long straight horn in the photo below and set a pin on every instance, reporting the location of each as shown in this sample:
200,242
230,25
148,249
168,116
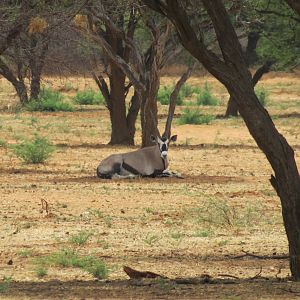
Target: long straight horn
173,99
154,124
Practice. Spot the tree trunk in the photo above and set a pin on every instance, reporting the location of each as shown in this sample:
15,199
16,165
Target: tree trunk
119,131
149,110
232,71
19,85
35,86
232,109
132,114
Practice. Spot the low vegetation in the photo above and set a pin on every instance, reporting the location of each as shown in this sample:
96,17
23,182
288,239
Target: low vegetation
262,95
5,284
70,258
89,97
193,116
49,100
205,97
35,151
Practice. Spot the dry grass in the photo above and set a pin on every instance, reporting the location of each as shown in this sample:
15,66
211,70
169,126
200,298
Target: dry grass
178,228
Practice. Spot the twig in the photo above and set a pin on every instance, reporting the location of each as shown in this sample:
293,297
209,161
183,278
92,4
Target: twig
230,276
260,256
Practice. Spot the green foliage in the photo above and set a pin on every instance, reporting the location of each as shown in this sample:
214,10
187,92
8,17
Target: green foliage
70,258
280,40
205,97
194,117
35,151
186,90
89,97
164,95
5,284
49,100
262,95
81,238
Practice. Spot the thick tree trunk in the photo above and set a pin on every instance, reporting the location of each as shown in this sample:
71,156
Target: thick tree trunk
149,110
132,114
232,71
21,91
119,134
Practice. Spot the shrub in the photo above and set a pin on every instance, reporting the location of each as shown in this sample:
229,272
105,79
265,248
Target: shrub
194,117
49,100
262,95
3,143
164,95
35,151
88,97
206,97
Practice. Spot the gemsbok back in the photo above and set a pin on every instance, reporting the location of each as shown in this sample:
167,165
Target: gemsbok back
149,161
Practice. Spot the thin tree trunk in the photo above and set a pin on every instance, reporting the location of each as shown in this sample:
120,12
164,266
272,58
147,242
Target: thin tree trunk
19,85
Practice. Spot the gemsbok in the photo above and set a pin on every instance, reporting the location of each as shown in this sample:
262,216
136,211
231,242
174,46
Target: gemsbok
149,161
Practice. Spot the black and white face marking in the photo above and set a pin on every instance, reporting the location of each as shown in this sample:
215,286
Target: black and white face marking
163,144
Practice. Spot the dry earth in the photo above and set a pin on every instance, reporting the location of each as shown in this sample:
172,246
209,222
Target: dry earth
179,228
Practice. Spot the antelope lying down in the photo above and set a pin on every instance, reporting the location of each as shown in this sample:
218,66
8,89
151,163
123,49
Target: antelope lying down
149,161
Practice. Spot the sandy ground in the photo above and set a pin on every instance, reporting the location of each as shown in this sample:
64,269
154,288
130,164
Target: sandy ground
179,228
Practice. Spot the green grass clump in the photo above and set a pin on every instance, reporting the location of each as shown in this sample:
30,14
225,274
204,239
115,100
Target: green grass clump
262,95
70,258
49,100
194,117
41,271
3,144
25,253
80,238
89,97
35,151
5,284
205,97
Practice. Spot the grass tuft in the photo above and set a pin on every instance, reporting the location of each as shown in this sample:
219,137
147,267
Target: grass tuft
5,284
81,238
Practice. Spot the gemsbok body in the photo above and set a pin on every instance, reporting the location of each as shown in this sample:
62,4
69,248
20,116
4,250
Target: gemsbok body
148,161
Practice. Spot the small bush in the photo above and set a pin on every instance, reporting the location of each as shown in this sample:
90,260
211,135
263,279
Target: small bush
36,151
89,97
206,97
194,117
164,95
262,95
70,258
80,238
49,100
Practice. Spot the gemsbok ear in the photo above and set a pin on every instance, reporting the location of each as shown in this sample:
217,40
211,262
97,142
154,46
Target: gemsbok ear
152,138
173,138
